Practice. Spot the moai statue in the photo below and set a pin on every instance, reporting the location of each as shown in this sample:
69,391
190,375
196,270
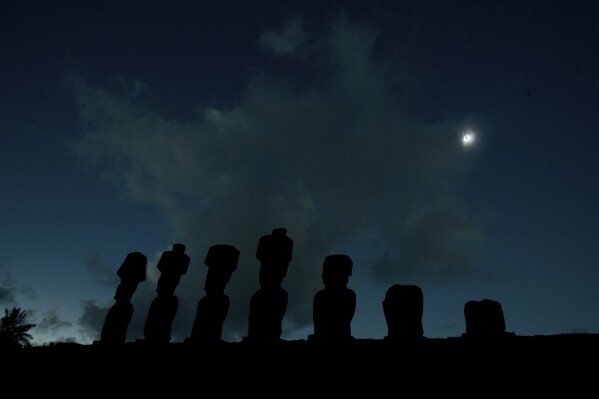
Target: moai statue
213,307
163,309
335,305
484,319
269,304
403,307
132,272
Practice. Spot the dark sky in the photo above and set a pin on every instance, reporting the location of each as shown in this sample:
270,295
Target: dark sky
130,126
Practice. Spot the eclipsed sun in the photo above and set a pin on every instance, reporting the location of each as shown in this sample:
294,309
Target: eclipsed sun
468,138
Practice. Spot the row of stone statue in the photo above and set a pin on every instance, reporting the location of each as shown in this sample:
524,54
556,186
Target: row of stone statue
333,307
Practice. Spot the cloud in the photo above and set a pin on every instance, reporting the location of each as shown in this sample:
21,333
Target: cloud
434,246
92,319
131,88
102,271
6,295
7,288
49,326
51,322
337,164
287,41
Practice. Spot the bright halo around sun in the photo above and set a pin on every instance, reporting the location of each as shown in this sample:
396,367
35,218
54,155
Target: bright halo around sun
468,138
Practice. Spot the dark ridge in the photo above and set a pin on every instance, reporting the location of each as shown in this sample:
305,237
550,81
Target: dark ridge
487,365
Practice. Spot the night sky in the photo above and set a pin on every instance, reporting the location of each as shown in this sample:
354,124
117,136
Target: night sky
133,125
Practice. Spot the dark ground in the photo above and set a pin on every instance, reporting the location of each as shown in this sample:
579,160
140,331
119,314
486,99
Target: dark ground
467,366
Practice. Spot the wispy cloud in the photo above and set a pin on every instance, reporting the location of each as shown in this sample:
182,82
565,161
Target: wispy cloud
6,295
102,271
9,291
92,319
51,322
286,41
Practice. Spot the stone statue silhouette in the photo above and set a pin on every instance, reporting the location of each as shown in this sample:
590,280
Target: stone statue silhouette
269,304
335,305
163,309
484,319
403,307
132,272
212,309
